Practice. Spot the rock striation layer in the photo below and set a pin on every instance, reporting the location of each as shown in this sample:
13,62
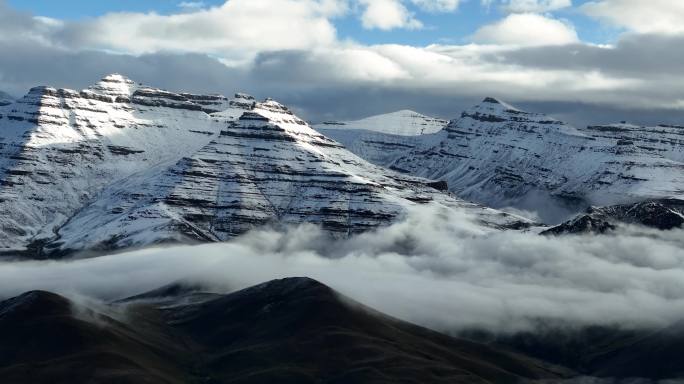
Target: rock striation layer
267,168
60,148
120,165
501,156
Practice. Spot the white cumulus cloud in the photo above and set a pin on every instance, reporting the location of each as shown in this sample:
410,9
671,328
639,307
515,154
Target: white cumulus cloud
527,29
192,4
437,5
652,16
540,6
387,15
234,28
446,275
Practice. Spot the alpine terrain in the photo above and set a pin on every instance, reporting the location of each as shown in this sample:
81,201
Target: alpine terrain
500,156
120,165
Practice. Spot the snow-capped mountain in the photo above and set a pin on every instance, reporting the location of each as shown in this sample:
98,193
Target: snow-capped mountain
5,99
267,168
402,123
59,148
383,138
501,156
120,164
376,147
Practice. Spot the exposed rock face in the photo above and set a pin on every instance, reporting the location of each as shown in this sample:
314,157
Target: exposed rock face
500,156
268,167
659,214
59,148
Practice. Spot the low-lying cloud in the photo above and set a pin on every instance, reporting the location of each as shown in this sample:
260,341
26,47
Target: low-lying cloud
436,268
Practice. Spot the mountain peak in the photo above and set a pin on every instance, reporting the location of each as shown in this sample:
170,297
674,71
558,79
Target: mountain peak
404,122
491,100
115,84
498,102
31,303
117,78
244,96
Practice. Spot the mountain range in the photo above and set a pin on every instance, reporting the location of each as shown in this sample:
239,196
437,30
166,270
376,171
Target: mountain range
297,330
124,165
121,164
401,123
500,156
293,330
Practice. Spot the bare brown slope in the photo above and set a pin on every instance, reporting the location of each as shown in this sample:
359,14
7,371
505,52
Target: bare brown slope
292,330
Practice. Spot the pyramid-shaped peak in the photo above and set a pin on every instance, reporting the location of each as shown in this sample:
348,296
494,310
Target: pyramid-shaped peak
273,106
491,100
494,102
115,84
117,78
274,112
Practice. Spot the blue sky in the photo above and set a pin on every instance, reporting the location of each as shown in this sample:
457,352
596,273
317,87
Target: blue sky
444,28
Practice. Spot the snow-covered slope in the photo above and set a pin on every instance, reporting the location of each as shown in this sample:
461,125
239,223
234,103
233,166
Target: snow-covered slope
269,167
402,123
500,156
378,148
59,148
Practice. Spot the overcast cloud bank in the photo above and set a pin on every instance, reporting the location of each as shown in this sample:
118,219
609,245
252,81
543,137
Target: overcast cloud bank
322,76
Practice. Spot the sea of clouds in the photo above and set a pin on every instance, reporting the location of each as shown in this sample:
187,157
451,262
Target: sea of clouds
437,268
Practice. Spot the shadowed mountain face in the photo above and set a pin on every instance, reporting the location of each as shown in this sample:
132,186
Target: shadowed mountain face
664,214
287,331
609,352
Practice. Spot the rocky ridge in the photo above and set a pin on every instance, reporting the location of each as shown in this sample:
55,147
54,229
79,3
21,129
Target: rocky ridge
665,214
501,156
267,168
59,148
120,165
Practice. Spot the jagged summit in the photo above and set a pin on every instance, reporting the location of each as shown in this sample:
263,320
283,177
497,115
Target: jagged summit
268,167
493,114
60,147
243,100
121,164
501,156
